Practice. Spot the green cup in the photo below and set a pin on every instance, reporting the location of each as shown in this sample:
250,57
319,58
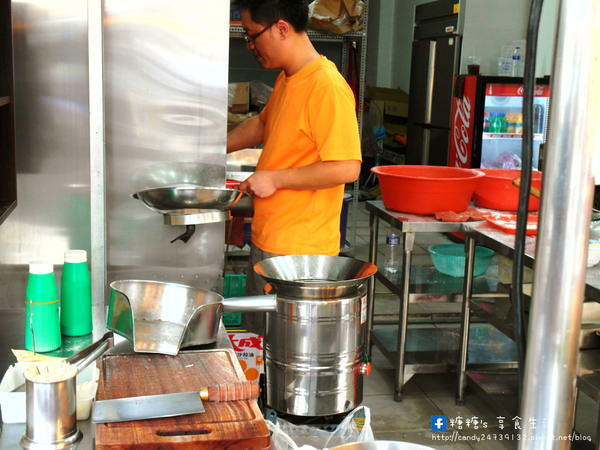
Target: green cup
76,295
42,323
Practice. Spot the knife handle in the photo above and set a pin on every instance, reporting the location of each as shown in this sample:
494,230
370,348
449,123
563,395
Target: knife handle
245,390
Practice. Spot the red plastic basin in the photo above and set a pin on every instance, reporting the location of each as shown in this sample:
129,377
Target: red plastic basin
497,191
426,189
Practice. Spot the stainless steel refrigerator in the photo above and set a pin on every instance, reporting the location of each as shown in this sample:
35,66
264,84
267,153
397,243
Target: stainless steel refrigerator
435,53
446,34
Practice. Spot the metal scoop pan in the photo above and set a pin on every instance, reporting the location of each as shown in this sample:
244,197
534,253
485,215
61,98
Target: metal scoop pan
160,317
188,197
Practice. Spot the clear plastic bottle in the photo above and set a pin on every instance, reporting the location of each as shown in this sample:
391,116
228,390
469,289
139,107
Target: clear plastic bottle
394,252
517,62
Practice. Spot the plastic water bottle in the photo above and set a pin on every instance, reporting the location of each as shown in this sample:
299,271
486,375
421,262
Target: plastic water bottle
42,323
392,263
76,295
517,62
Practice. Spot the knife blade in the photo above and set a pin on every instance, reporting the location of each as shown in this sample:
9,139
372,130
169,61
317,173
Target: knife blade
169,405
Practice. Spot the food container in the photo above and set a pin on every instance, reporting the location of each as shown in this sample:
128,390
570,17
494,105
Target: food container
160,317
426,189
497,191
450,259
12,401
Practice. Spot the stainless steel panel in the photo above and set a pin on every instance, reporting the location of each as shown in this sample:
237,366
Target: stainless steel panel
97,153
52,150
165,105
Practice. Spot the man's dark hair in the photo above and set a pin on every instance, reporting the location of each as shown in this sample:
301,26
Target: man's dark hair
270,11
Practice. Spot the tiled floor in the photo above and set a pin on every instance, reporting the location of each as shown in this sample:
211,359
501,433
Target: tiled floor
424,395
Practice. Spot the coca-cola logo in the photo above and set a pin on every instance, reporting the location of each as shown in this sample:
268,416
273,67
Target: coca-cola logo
538,91
460,131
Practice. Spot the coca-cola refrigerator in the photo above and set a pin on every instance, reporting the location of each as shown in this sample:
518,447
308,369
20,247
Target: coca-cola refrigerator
487,121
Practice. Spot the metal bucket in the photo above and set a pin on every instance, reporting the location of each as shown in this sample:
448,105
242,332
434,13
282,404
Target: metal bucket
315,339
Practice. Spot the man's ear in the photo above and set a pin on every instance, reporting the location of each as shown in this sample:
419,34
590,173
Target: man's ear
283,28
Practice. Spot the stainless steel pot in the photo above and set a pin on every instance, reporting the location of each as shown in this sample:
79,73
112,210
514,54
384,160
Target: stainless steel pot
159,317
314,343
51,407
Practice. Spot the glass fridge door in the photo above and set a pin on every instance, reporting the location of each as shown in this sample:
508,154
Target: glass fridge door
503,125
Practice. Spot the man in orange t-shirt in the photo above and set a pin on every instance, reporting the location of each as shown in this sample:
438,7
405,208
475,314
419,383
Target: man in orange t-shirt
309,132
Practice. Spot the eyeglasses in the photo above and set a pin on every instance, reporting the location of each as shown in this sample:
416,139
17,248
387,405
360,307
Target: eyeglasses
253,37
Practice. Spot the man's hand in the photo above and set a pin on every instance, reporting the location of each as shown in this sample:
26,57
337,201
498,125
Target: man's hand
262,183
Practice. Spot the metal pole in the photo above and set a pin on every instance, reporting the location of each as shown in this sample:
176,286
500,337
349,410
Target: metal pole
408,243
463,351
374,233
97,157
554,327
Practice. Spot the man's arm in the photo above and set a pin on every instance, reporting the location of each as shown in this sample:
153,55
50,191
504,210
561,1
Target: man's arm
319,175
247,134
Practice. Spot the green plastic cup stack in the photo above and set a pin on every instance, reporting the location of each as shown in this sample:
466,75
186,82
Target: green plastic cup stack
76,295
42,322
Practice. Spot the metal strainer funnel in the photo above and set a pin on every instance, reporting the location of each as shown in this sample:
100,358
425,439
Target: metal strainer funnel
310,276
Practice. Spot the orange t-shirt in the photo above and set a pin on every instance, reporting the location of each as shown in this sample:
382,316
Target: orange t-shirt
310,117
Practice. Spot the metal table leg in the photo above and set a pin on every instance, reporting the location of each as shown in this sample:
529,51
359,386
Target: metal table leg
374,231
466,320
408,242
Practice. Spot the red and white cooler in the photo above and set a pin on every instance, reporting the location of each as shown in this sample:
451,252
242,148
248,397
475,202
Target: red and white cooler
486,126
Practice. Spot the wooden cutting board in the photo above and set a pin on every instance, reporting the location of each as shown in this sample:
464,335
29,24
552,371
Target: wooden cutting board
223,425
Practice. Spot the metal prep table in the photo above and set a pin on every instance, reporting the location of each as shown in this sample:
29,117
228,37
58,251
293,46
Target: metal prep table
409,225
500,386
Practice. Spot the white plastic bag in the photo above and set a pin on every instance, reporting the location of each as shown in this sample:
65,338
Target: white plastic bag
287,436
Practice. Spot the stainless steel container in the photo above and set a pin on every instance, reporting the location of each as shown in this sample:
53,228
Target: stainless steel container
52,406
51,415
159,317
315,340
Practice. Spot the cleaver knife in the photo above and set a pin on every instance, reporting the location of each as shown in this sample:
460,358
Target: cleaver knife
170,405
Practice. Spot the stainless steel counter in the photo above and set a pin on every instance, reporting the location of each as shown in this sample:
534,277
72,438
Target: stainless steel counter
504,243
482,232
11,335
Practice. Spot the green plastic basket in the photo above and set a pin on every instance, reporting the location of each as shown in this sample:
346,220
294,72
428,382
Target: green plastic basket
234,286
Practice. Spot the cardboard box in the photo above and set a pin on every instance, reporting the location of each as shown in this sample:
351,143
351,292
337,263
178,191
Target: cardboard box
392,102
249,350
239,97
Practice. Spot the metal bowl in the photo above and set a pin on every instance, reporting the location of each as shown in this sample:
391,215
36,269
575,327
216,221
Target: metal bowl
188,197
